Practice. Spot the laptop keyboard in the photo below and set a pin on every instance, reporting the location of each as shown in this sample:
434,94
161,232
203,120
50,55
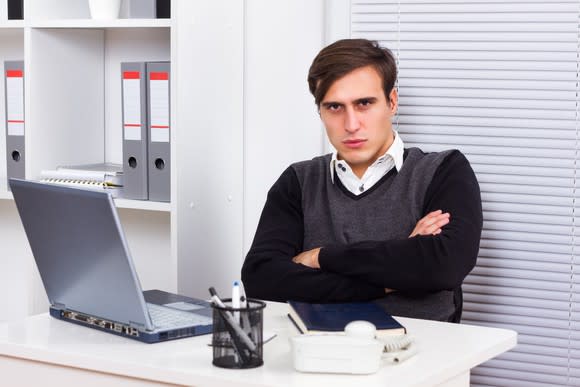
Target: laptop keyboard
162,316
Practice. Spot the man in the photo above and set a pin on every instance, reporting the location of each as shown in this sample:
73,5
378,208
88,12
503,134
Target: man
373,220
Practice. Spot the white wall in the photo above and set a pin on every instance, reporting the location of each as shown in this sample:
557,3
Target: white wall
281,124
207,55
244,114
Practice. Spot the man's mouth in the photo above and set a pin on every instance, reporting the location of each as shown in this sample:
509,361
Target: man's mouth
353,143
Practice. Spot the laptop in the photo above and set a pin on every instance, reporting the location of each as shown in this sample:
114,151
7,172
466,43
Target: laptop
87,271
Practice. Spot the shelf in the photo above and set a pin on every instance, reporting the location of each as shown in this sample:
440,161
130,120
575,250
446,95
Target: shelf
142,205
8,24
119,203
90,23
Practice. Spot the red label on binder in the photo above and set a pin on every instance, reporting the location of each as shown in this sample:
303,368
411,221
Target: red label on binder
159,76
131,75
14,73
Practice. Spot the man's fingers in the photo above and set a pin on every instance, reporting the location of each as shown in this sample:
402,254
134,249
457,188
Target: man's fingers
431,223
435,219
435,228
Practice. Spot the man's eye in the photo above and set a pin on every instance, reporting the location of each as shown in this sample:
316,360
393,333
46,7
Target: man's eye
333,107
365,102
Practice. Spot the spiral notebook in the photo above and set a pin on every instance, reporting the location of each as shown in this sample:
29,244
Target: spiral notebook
92,176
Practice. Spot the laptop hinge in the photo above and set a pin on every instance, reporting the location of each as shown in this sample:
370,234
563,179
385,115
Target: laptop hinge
58,306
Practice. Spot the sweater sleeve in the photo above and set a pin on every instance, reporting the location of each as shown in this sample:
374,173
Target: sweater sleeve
422,263
268,271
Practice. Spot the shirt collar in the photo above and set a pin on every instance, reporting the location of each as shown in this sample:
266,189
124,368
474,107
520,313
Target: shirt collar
395,151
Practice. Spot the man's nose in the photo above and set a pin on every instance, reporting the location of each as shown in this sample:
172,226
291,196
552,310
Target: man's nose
351,121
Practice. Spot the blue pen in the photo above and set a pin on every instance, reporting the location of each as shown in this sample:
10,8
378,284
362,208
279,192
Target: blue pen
236,300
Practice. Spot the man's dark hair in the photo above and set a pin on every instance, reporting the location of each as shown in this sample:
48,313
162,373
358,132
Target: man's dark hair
344,56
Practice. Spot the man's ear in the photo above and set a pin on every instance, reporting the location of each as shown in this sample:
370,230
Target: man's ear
393,101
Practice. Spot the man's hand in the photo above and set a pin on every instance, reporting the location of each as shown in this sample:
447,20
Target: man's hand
308,258
431,224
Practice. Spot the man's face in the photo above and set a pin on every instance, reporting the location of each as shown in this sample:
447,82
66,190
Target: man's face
358,118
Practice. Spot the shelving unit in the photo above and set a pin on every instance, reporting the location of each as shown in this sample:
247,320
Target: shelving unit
89,23
72,82
73,116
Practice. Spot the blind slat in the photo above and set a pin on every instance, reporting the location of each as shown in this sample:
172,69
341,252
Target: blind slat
498,80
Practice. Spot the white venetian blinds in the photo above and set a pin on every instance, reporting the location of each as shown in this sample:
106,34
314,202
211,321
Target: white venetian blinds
499,81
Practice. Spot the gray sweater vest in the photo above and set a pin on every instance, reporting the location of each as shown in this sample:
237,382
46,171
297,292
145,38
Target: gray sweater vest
388,210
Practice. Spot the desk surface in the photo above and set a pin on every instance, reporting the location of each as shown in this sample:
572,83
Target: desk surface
446,350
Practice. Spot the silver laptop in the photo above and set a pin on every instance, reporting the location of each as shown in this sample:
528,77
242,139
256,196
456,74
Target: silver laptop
87,271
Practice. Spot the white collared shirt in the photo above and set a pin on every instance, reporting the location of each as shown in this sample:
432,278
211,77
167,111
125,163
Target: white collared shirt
393,157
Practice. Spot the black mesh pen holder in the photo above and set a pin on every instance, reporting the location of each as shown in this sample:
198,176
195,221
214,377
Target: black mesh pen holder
238,334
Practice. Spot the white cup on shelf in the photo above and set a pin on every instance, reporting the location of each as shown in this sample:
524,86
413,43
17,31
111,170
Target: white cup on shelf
104,9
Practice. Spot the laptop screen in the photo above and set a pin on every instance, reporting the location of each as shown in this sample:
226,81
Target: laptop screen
81,252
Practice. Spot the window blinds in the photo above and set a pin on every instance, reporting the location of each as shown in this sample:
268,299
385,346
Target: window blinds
499,81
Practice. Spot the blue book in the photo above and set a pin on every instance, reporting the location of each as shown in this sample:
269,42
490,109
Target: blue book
332,318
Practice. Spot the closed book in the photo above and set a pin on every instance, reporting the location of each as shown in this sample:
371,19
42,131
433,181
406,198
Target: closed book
332,318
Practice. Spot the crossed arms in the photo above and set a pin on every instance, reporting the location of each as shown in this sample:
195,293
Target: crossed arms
435,256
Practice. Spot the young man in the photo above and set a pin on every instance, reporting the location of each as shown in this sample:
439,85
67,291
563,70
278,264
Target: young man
373,220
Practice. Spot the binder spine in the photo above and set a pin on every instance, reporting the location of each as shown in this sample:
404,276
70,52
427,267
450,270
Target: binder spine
15,9
14,104
135,134
138,9
158,117
163,8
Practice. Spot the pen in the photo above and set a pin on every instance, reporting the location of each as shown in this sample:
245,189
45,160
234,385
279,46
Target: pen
243,299
236,300
230,320
246,315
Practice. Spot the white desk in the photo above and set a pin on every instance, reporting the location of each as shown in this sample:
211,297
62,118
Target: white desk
41,350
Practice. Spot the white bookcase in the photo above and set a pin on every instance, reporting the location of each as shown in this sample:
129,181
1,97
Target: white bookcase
73,116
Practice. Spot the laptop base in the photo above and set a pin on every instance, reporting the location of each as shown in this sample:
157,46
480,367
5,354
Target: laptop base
154,296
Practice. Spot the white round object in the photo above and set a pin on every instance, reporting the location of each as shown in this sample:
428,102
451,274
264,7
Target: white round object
360,328
104,9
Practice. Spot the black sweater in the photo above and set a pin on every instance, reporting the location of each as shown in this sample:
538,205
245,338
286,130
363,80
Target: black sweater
361,271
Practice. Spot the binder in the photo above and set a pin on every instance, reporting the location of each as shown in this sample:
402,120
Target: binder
138,9
14,103
158,118
15,9
163,9
135,139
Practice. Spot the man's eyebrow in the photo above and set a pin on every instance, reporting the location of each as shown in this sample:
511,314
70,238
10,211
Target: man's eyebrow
356,101
366,99
330,103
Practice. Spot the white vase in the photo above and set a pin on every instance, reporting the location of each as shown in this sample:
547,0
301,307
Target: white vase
104,9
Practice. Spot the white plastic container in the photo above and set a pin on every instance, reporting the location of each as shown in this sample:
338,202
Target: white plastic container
104,9
336,354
